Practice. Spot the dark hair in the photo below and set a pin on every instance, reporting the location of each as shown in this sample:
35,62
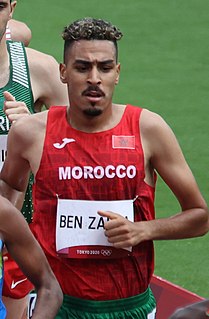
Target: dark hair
91,29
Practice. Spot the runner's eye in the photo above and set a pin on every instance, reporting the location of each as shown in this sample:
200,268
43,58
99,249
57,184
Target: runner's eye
106,67
3,5
82,68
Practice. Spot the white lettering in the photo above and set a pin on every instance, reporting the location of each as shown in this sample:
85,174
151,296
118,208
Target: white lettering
131,171
88,170
108,170
77,172
120,171
64,173
4,123
98,172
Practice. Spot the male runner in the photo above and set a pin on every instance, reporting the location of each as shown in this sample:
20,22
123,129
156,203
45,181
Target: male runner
95,165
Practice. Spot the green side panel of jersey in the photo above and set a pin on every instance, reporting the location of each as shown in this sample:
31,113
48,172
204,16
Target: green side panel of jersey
20,87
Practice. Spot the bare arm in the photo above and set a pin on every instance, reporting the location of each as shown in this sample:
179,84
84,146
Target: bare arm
47,87
166,157
26,251
20,31
16,169
163,154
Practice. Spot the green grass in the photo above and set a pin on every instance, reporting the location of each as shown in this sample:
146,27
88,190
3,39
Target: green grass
165,67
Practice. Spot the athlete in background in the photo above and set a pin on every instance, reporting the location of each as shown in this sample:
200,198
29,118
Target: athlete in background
33,78
23,247
95,165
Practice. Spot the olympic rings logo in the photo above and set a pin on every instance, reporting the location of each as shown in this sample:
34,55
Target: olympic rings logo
106,252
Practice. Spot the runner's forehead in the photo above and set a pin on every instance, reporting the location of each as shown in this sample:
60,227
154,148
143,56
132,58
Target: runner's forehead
88,50
5,1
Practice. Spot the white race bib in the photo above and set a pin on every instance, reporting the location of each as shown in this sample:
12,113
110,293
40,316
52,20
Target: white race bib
3,149
80,230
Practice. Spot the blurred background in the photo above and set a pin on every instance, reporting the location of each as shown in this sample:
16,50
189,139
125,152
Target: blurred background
164,57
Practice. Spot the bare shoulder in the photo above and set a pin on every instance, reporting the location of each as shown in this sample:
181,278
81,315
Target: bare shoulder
157,136
152,122
45,80
20,31
39,61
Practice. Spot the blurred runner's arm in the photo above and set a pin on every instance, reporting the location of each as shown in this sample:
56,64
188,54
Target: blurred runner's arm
26,251
19,31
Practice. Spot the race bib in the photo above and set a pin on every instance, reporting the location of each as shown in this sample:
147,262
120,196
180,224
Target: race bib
80,230
3,149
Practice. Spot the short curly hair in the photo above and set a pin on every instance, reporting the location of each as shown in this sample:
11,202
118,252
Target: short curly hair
91,29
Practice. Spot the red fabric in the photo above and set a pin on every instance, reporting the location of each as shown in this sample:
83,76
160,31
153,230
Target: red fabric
93,278
15,283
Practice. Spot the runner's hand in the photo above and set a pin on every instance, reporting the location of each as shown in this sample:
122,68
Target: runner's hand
14,109
121,232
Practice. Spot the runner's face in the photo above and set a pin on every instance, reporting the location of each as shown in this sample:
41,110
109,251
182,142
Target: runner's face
6,10
91,73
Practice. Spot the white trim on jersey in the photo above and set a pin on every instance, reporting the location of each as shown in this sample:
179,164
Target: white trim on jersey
8,34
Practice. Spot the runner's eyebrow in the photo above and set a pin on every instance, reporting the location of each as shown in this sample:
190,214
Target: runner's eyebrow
89,62
2,3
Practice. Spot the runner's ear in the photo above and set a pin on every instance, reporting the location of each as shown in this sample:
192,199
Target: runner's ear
118,74
63,73
13,5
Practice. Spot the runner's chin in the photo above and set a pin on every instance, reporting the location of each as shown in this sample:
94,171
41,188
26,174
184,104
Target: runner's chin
92,111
